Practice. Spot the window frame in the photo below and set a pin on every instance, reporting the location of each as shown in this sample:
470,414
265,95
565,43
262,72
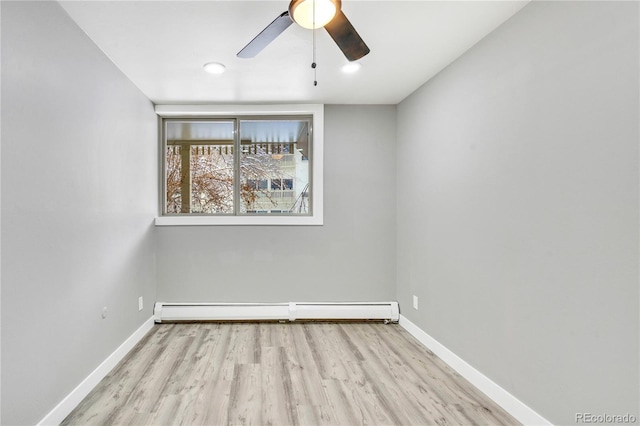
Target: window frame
195,112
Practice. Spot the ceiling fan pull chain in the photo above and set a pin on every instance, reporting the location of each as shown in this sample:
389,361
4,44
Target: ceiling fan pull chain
313,31
313,64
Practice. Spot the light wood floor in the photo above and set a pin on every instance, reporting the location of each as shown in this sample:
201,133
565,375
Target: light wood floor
284,374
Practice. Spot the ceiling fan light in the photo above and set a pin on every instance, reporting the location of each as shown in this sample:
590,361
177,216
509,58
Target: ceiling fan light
302,11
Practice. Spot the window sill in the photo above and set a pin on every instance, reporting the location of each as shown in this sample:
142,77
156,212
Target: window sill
315,220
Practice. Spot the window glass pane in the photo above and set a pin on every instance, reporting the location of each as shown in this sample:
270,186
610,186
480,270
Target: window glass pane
274,166
199,166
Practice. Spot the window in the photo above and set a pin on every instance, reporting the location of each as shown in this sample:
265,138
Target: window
272,176
232,168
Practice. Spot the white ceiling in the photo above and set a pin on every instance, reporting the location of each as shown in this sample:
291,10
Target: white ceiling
162,45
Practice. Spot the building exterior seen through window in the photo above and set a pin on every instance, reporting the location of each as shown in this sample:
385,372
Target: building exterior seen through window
237,166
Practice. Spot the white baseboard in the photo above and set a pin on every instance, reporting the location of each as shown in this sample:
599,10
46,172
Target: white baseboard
71,401
510,403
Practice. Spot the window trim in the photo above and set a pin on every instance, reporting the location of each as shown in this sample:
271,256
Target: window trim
223,111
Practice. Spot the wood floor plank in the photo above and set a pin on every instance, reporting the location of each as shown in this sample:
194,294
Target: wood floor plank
320,374
344,408
213,403
245,397
305,376
325,352
278,401
167,410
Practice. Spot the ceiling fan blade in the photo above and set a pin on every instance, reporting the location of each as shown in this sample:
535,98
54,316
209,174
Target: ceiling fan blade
266,36
346,37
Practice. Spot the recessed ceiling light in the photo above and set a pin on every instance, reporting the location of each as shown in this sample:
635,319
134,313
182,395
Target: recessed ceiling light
351,67
214,68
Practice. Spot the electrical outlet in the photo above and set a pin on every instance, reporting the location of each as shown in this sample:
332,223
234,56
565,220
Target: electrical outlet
140,303
415,302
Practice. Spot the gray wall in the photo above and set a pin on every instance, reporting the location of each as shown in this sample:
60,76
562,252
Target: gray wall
79,194
518,207
350,258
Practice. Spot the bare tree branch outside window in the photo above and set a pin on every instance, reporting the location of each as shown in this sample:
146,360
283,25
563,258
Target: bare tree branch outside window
212,178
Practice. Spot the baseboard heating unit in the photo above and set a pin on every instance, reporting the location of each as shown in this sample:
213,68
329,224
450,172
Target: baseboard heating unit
291,311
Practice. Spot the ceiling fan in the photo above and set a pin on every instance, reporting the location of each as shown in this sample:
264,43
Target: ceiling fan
312,14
